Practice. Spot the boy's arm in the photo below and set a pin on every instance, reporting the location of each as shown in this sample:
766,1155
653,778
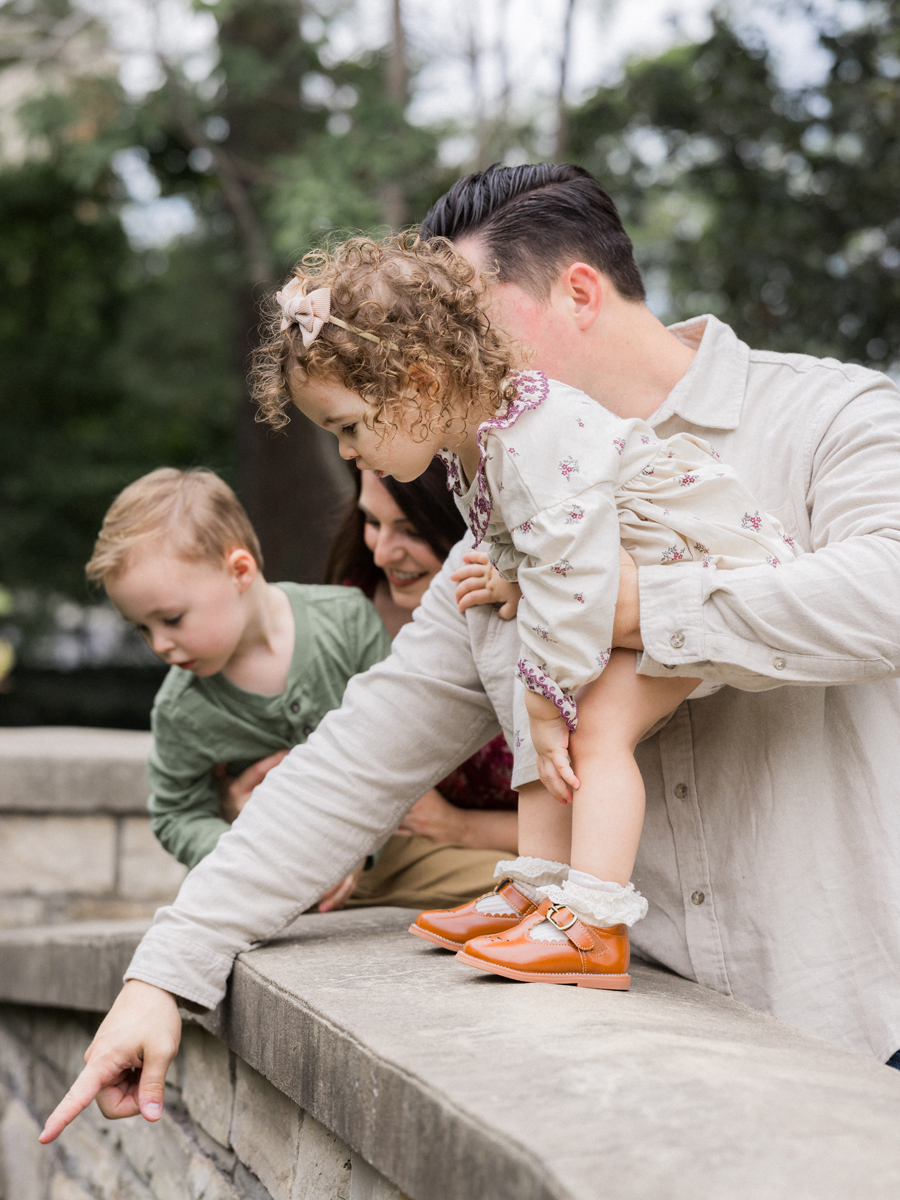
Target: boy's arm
184,799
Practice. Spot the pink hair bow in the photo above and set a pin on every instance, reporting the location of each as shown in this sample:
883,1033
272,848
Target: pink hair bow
310,312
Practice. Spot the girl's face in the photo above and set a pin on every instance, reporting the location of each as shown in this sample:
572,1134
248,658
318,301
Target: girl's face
406,559
385,451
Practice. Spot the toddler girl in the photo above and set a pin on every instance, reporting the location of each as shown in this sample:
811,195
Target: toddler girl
386,345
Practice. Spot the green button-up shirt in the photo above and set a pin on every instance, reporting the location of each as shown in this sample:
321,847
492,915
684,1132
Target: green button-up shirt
199,722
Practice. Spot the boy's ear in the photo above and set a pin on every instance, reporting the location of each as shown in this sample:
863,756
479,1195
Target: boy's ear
241,565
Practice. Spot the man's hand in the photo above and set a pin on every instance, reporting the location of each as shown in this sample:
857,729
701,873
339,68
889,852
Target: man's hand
627,622
234,793
481,583
126,1063
338,896
550,737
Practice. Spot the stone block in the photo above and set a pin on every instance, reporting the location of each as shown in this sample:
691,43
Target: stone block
21,910
89,1148
57,769
368,1184
265,1131
64,1188
15,1067
25,1165
323,1164
146,871
207,1087
43,855
248,1186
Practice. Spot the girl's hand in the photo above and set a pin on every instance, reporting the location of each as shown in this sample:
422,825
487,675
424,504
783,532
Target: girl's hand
550,737
481,583
126,1063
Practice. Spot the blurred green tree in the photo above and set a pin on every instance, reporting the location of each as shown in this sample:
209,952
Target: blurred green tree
116,358
774,209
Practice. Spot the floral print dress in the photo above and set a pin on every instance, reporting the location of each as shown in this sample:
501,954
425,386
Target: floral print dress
561,484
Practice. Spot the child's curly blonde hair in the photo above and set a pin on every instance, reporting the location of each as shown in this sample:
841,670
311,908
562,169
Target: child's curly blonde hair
419,301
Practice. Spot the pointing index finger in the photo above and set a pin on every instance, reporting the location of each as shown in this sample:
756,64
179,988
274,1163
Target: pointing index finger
82,1092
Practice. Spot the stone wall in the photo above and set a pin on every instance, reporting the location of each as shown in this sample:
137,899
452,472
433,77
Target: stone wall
226,1132
75,840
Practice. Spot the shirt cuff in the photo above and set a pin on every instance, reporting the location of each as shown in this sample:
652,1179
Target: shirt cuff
671,613
187,969
538,681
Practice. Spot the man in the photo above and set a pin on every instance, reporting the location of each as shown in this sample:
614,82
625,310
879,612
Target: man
771,849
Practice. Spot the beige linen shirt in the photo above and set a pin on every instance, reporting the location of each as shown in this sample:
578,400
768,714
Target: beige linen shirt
771,847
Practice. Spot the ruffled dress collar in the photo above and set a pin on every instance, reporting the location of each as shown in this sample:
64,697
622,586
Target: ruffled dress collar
532,388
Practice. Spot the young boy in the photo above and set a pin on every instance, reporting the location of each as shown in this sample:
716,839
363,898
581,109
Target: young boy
255,665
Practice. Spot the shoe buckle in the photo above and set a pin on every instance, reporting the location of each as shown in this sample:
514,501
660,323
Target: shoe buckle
555,909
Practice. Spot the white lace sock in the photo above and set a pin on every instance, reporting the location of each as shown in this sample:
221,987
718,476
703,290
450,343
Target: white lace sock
596,902
530,874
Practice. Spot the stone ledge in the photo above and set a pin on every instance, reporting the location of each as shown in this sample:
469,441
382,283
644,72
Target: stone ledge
458,1086
72,770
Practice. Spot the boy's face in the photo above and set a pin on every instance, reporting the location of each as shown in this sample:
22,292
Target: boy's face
189,613
382,450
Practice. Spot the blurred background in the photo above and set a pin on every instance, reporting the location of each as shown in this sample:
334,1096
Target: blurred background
163,163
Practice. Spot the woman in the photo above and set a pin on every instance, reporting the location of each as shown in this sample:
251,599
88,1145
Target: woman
391,545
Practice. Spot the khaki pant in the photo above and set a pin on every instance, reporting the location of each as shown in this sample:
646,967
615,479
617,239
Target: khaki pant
415,872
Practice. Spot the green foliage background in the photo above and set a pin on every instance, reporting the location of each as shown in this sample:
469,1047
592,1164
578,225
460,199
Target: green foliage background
775,210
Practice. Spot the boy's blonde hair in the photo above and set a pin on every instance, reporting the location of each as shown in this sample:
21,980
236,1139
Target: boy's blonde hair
420,304
193,514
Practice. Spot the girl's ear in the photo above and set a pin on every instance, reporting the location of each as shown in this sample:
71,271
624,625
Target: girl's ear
425,381
241,566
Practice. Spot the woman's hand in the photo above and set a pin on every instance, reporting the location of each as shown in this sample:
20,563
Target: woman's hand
550,737
338,896
436,818
126,1063
481,583
234,793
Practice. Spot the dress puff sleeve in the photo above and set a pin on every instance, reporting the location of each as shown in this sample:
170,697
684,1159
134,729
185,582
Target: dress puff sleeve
560,526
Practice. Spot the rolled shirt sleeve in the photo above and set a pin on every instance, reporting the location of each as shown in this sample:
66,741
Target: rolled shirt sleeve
828,617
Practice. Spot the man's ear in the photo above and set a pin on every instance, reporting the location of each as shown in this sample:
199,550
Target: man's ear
241,566
583,288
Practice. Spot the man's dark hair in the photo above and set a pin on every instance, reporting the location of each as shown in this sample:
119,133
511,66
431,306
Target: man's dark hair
534,220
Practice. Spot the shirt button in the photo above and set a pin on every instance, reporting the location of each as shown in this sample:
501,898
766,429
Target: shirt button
779,664
680,791
295,706
697,897
307,730
676,640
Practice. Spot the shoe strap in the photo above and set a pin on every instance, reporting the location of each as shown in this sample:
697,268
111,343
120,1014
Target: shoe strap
576,931
517,900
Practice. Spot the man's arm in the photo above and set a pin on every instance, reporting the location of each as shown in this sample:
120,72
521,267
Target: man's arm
402,727
829,617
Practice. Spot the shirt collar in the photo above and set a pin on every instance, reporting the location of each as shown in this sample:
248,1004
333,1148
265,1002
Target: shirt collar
711,392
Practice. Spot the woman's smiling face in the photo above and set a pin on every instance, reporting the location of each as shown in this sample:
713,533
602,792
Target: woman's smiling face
407,560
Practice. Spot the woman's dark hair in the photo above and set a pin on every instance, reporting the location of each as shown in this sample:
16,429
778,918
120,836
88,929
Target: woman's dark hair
535,220
427,505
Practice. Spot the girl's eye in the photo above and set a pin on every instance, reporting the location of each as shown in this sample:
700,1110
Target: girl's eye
172,620
348,429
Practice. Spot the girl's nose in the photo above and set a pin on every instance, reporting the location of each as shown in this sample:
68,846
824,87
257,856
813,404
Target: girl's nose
348,453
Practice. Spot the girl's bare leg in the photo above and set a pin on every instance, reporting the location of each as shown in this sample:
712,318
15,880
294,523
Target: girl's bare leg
614,713
545,825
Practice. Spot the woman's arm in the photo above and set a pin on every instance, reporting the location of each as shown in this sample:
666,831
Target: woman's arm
476,829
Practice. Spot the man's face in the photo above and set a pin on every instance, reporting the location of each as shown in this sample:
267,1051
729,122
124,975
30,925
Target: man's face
542,329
